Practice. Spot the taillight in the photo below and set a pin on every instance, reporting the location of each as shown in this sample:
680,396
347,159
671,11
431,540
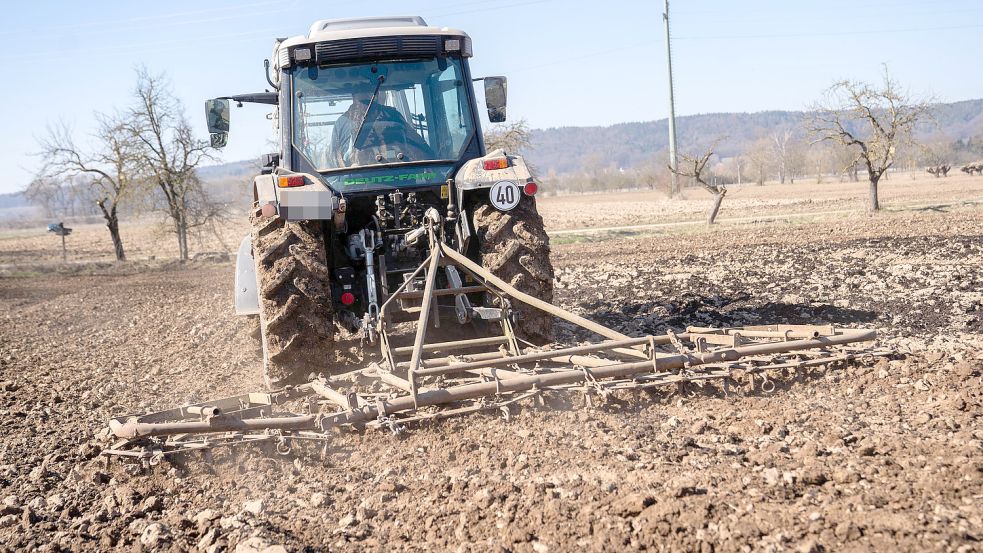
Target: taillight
292,181
530,189
496,163
348,298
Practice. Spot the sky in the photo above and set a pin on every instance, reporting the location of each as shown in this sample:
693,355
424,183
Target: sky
569,63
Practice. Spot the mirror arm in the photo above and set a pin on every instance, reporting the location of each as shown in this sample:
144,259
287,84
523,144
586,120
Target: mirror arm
271,98
266,64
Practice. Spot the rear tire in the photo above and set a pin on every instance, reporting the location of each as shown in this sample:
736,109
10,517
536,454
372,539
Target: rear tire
514,246
295,316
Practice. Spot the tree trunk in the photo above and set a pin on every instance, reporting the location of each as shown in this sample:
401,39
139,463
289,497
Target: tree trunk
715,208
117,239
874,204
112,223
179,234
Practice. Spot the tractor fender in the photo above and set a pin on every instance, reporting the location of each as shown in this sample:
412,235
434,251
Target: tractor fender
264,189
473,175
473,179
312,201
246,296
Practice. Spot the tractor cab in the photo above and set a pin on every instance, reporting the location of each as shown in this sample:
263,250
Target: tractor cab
373,104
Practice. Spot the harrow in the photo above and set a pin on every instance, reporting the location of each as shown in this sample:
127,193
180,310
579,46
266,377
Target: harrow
432,380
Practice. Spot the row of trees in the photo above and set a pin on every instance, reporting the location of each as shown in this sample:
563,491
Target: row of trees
868,123
144,154
856,129
790,152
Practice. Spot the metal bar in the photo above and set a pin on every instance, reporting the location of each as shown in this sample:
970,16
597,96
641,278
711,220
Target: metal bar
206,410
134,429
443,292
442,361
421,325
770,331
496,373
584,361
332,395
529,300
395,381
448,346
406,283
566,359
537,356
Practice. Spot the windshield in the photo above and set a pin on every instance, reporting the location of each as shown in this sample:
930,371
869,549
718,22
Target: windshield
381,113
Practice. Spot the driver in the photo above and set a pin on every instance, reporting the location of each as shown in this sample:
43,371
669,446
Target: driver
384,133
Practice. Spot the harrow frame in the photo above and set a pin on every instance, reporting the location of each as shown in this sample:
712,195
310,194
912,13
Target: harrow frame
460,380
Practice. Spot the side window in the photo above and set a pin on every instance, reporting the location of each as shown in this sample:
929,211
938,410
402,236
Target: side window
416,105
454,99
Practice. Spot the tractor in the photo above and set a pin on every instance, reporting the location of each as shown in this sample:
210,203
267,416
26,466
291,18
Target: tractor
380,147
383,212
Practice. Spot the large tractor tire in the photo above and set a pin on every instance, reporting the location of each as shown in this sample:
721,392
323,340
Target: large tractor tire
295,315
514,246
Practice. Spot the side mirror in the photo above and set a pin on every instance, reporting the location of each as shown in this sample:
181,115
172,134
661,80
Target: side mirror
217,117
496,92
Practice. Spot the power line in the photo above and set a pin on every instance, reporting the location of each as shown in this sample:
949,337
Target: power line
829,34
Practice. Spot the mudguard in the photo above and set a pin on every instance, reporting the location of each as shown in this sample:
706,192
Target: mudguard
246,296
313,201
473,178
473,175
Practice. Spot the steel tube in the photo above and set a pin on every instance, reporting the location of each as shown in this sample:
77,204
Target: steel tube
442,292
421,325
459,344
403,286
395,381
206,410
538,356
332,395
529,300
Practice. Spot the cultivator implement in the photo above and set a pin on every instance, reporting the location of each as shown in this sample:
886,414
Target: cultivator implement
432,380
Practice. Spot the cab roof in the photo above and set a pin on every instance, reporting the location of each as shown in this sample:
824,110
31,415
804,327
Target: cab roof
326,30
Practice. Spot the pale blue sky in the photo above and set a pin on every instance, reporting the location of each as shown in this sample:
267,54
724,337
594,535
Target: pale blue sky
568,63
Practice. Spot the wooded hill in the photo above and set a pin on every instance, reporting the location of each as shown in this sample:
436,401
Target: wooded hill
633,145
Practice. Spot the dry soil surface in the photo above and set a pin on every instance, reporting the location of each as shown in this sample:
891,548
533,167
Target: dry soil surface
884,457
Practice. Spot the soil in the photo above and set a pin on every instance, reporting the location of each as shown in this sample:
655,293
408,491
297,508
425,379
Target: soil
887,456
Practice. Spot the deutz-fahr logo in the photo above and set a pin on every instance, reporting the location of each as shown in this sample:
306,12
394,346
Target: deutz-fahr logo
382,179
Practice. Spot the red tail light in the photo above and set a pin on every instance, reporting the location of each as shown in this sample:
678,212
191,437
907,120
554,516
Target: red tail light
496,163
348,298
291,181
530,189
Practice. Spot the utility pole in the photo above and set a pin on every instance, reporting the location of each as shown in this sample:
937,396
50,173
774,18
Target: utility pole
673,159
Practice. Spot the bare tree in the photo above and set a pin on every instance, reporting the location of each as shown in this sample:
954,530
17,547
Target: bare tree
55,196
111,169
780,144
695,168
758,155
512,137
871,120
171,153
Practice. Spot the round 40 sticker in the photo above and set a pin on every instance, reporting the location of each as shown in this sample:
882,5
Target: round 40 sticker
504,195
